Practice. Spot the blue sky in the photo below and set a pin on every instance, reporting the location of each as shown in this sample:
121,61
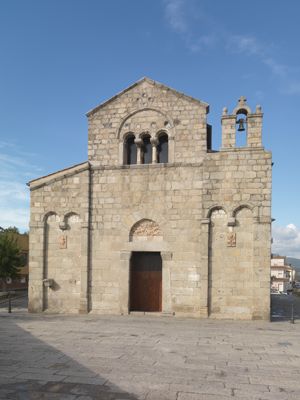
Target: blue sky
60,58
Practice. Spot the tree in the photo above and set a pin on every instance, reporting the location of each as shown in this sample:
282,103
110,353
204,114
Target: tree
11,229
11,258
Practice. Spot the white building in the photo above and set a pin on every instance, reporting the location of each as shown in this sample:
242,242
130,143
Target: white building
282,274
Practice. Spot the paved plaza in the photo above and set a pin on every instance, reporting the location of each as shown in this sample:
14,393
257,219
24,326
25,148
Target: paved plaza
85,357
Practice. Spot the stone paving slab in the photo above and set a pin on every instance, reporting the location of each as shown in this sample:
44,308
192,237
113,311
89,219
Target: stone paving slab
128,357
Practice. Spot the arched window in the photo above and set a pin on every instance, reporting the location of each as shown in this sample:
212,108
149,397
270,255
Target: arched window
241,128
146,155
130,151
162,148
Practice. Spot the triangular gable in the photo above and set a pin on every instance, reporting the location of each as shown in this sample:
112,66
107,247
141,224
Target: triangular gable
152,82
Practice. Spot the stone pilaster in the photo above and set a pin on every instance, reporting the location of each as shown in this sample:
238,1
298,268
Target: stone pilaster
254,133
124,276
36,267
261,268
166,281
84,289
204,267
228,131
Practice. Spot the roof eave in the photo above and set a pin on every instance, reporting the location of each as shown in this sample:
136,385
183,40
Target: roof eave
58,174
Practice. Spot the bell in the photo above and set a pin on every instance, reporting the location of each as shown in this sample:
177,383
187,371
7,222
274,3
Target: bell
241,127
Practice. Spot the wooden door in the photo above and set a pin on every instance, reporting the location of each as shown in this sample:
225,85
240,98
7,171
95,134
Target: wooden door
146,281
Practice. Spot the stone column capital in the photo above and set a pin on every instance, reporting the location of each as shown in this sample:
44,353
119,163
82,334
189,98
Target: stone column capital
154,141
138,142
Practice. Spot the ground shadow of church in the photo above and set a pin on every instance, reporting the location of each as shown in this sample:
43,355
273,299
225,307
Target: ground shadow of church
32,369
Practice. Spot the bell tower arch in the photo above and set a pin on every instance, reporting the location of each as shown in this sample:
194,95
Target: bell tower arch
242,120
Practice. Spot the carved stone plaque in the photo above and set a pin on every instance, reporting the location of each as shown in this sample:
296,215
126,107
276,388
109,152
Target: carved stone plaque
146,228
231,239
63,242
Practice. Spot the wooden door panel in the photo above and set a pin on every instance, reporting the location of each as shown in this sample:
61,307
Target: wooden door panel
146,283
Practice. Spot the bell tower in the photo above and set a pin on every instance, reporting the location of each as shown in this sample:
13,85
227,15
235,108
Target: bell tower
242,120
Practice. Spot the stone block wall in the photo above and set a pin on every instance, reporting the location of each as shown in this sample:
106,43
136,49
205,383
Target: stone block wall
171,197
208,214
239,182
148,107
58,240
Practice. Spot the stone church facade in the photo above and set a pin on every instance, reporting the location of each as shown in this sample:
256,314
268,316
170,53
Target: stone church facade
155,220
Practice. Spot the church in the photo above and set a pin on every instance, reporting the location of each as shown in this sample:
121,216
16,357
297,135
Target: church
155,221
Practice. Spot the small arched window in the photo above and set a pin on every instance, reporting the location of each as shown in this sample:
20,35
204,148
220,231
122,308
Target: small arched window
162,148
146,155
241,128
130,151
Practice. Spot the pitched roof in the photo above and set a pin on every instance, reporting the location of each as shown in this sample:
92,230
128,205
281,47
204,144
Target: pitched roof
58,175
152,82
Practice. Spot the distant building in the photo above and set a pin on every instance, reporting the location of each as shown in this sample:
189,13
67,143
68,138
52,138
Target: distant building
282,274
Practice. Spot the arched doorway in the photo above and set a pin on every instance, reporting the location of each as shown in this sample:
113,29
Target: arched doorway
145,281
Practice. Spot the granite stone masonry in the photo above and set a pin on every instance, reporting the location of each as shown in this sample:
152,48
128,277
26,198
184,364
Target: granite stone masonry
155,220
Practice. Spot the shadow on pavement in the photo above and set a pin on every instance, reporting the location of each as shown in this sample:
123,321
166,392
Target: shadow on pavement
32,369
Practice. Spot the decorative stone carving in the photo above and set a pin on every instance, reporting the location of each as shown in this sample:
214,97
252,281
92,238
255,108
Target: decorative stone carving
145,228
231,239
154,141
138,142
63,242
